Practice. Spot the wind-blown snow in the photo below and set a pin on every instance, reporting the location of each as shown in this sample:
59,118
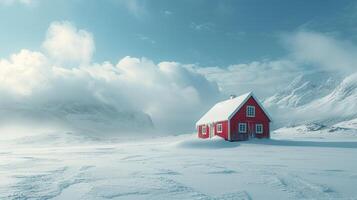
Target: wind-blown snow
180,167
215,142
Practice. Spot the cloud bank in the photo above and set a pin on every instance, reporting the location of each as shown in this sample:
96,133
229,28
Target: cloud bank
322,51
68,46
172,94
307,52
264,78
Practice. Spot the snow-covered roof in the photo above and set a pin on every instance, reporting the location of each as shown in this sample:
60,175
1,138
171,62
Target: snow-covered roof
225,109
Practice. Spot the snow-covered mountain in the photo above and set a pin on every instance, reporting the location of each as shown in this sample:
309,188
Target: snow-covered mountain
304,89
317,97
94,119
339,105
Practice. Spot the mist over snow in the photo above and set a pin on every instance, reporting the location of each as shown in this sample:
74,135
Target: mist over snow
263,77
307,53
322,51
61,86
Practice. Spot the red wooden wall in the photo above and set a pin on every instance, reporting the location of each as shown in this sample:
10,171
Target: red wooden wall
223,134
241,117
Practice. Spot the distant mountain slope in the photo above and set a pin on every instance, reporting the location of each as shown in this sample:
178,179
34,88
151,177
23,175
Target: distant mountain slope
350,124
339,105
304,89
85,118
316,97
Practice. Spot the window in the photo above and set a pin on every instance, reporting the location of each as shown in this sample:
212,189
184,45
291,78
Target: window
259,128
250,111
219,128
242,127
204,130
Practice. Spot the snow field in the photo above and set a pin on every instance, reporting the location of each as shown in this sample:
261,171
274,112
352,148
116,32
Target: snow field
179,167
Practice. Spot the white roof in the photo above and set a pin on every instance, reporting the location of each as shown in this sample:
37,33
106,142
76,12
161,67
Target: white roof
225,109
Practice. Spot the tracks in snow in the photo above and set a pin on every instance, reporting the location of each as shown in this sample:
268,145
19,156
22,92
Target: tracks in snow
300,188
48,184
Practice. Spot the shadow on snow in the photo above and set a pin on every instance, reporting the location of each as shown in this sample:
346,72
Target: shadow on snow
303,143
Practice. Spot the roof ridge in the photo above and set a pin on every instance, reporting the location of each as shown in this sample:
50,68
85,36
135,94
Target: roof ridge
222,110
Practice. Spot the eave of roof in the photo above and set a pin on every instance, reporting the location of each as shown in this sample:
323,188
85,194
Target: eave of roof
202,120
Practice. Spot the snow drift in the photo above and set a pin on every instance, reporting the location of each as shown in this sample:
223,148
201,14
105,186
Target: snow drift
215,142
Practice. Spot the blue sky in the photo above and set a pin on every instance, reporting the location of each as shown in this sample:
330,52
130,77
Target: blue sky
208,33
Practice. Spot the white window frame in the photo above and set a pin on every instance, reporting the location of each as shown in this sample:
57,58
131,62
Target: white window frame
219,128
256,128
245,127
204,130
253,111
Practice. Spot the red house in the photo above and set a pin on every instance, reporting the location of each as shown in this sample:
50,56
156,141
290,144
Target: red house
236,119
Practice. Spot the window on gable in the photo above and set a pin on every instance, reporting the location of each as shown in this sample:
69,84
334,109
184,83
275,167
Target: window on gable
259,128
250,111
204,130
219,128
242,127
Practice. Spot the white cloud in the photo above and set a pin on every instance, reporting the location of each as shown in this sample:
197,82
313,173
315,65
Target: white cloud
23,72
135,7
264,78
322,51
168,12
146,39
307,52
207,26
66,45
11,2
171,93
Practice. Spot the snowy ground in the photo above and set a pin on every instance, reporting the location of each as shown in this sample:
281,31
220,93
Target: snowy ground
180,167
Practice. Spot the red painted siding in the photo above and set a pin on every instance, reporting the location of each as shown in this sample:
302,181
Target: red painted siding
241,117
223,134
200,134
